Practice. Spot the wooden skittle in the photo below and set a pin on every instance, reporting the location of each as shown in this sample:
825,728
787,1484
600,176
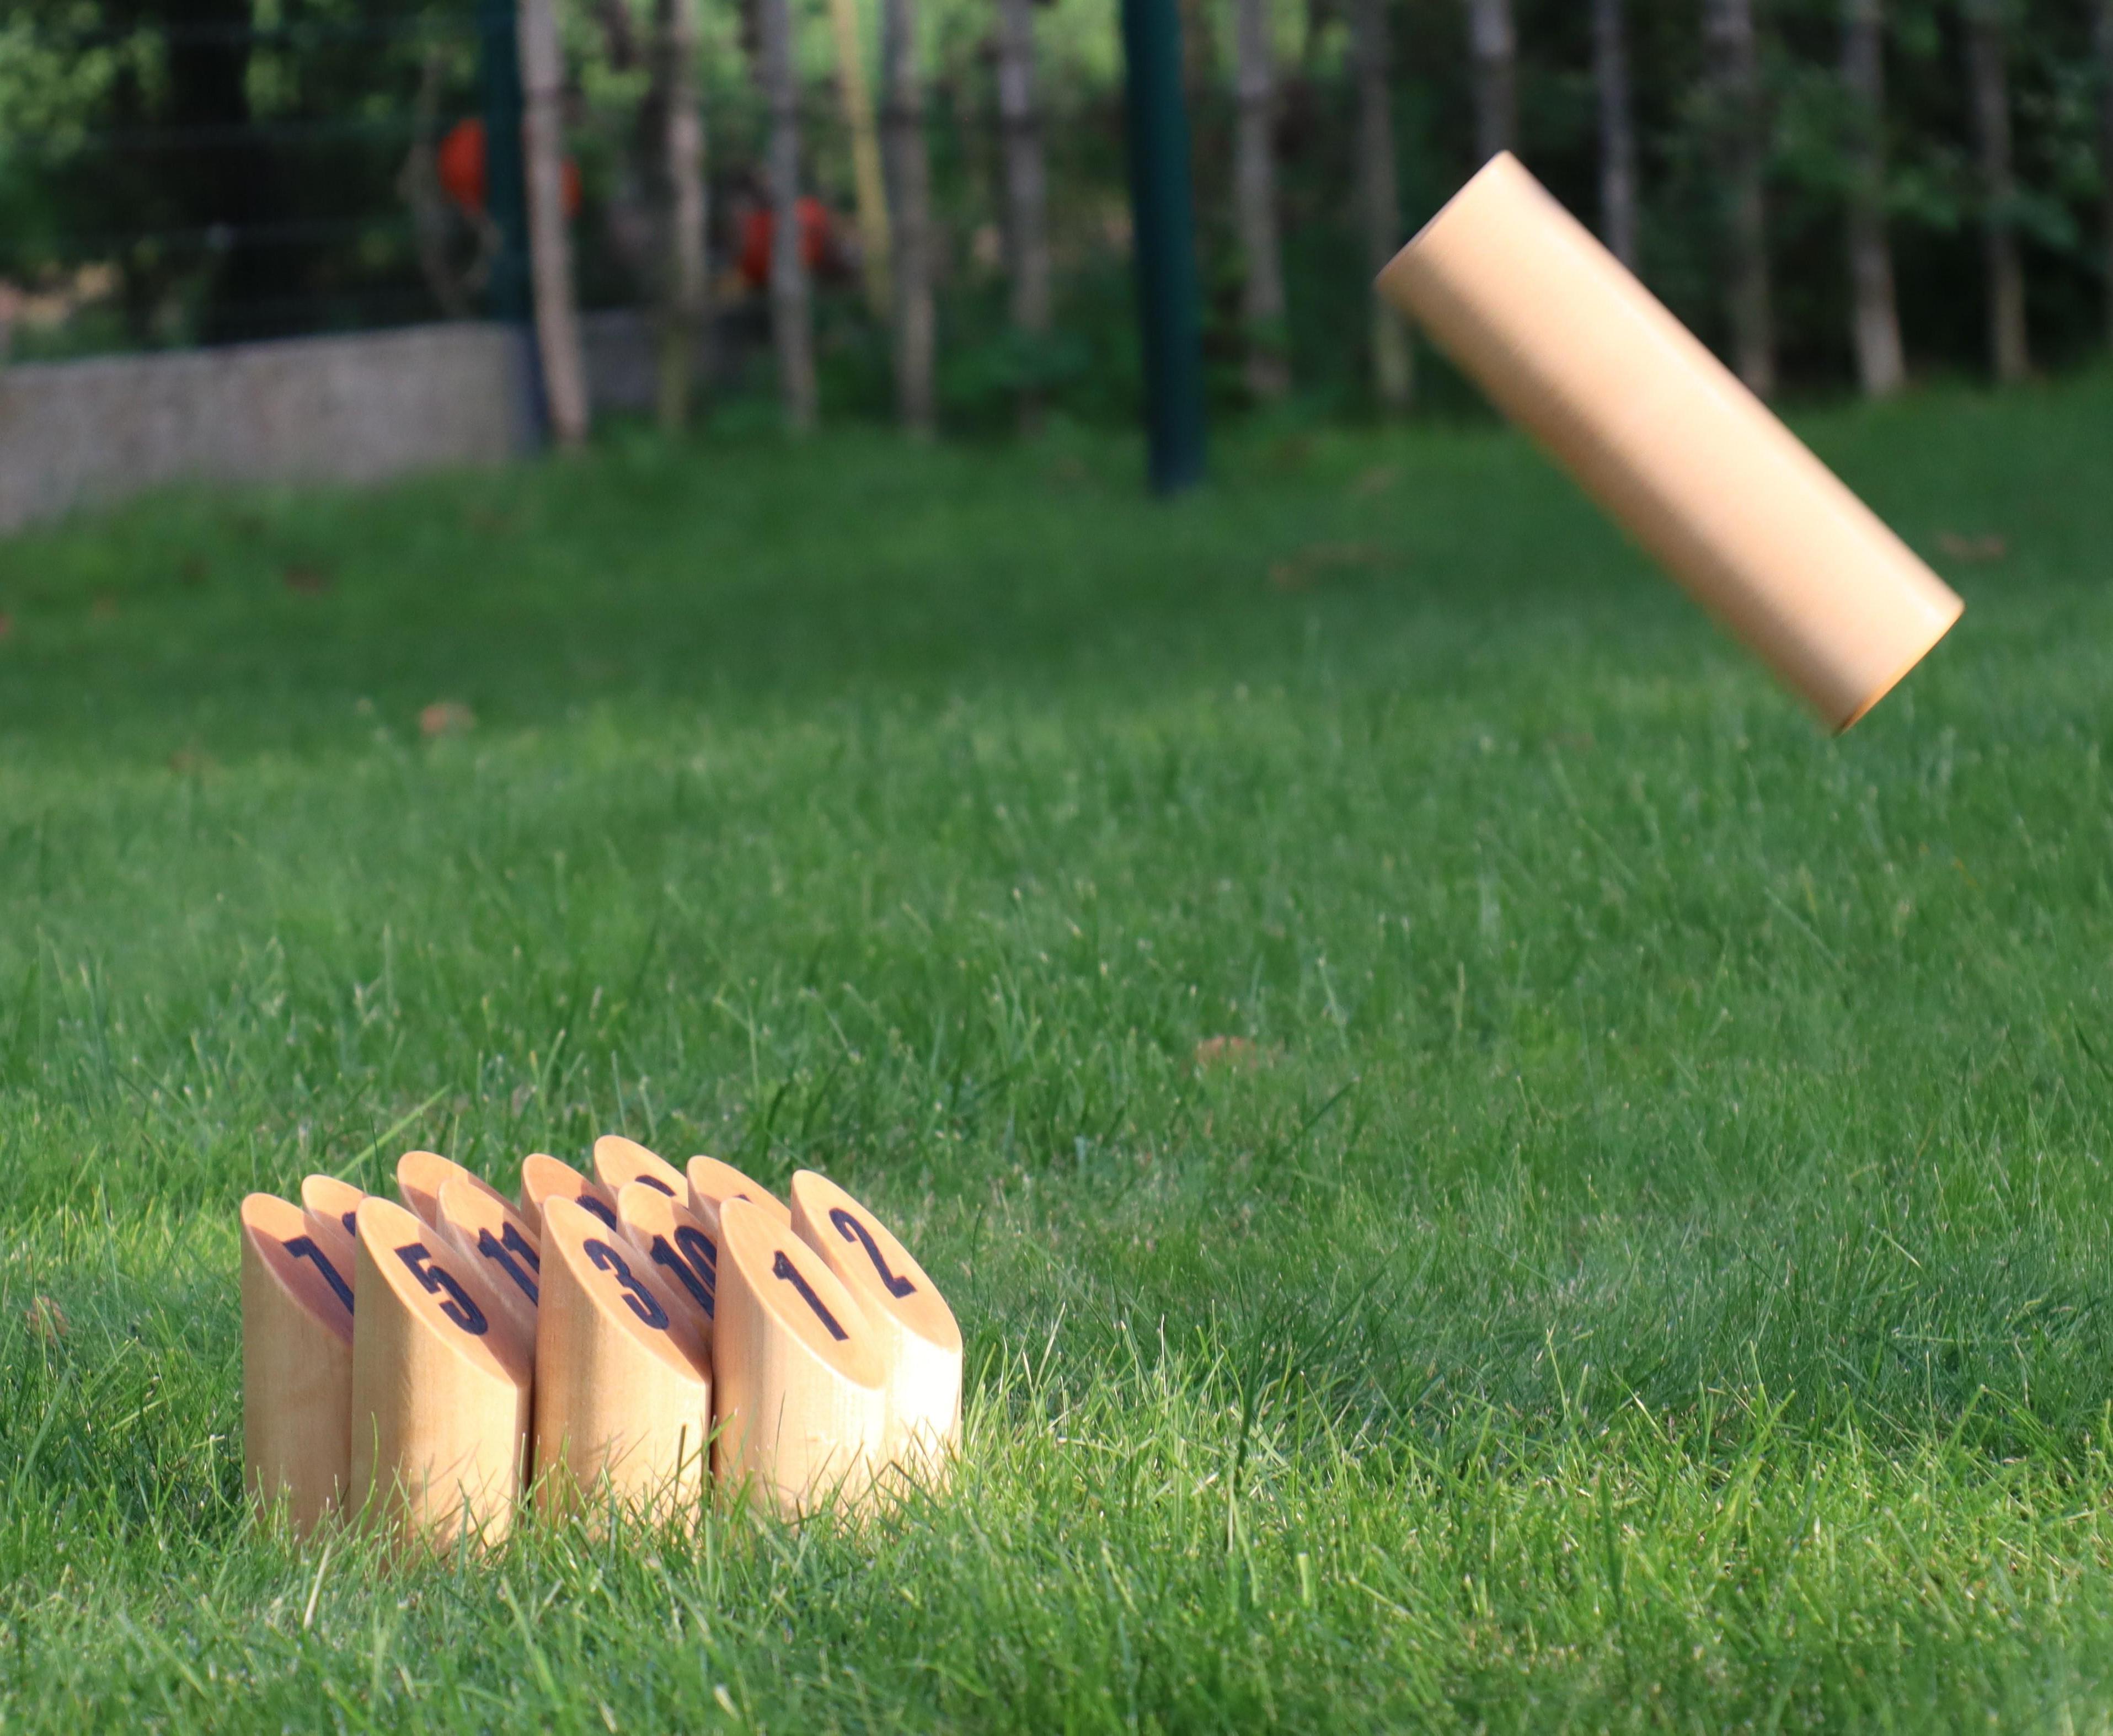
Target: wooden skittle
495,1239
802,1389
684,1255
297,1330
439,1387
920,1341
618,1162
623,1384
419,1175
712,1183
544,1178
330,1206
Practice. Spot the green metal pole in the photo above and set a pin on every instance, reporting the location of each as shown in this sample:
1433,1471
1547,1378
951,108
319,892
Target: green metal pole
505,189
1163,224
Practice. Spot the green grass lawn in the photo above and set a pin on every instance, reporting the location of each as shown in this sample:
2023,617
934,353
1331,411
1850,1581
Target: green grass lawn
1649,1270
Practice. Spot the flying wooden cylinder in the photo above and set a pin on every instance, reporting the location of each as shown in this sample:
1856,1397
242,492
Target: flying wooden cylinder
624,1385
802,1393
297,1355
712,1182
419,1175
684,1254
544,1178
920,1342
439,1387
1666,439
618,1162
495,1239
330,1207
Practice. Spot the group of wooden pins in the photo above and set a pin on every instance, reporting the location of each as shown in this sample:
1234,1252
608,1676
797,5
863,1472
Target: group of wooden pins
613,1338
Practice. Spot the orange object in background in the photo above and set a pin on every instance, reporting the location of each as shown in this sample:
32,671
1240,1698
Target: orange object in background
460,164
818,248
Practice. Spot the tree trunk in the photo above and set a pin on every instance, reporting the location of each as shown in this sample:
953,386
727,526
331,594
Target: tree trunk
549,241
1379,200
684,280
1876,316
1254,194
1617,132
1742,148
865,154
1026,183
791,309
1493,45
910,171
1988,82
2106,149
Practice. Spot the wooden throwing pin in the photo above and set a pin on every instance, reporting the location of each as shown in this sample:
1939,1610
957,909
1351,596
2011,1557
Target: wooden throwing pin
419,1175
439,1387
544,1178
920,1341
803,1400
685,1255
712,1183
330,1207
618,1162
297,1353
494,1237
623,1381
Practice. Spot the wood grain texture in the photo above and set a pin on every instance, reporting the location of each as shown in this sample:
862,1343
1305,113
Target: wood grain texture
623,1384
441,1388
419,1175
618,1162
330,1207
712,1183
684,1255
297,1351
802,1394
544,1178
920,1342
496,1240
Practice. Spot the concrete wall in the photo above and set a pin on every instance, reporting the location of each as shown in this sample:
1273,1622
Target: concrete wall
352,408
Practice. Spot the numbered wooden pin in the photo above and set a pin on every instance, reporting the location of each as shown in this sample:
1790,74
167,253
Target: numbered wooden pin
544,1178
330,1206
920,1341
802,1393
623,1383
712,1183
419,1175
684,1255
619,1162
297,1355
488,1233
439,1387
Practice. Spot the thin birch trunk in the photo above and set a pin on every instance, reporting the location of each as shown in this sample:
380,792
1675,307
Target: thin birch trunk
1988,83
684,280
909,173
1379,200
2106,149
1875,315
1026,183
1743,142
857,97
1254,192
1493,46
791,308
549,244
1617,132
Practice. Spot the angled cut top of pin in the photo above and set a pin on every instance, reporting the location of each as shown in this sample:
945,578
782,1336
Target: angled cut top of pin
278,1230
426,1277
860,1249
712,1183
615,1278
492,1234
544,1178
618,1162
807,1301
419,1175
684,1254
328,1197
